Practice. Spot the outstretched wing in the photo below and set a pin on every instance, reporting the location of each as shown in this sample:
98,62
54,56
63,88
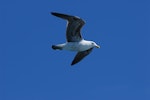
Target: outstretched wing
73,27
80,55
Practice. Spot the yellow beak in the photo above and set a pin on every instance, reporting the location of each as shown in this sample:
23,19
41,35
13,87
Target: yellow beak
97,46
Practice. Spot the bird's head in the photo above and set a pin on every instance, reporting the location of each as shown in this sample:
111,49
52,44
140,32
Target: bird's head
94,44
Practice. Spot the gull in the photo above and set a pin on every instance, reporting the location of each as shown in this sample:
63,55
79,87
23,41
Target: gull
74,42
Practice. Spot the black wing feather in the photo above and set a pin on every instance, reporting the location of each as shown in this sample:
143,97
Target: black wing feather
80,55
73,27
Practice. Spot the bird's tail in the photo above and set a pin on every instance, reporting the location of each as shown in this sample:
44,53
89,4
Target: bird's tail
55,47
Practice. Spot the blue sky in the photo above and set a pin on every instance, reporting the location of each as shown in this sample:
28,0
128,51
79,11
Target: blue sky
31,70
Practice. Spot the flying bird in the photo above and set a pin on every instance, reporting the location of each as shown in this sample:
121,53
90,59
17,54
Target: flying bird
75,41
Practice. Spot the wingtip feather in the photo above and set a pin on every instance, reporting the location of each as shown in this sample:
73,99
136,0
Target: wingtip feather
72,64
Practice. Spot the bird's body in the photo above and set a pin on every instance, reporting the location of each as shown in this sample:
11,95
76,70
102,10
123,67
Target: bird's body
76,46
75,42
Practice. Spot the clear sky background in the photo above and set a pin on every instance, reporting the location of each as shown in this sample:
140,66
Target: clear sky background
31,70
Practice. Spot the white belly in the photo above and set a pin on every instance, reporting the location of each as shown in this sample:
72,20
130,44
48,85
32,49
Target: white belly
76,46
71,46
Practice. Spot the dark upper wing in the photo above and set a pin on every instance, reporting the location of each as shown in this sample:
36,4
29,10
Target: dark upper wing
80,56
73,27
